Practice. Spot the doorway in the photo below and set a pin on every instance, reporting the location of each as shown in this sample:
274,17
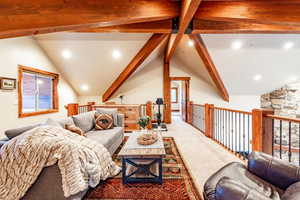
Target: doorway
180,96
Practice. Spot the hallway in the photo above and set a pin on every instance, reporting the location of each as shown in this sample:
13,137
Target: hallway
202,156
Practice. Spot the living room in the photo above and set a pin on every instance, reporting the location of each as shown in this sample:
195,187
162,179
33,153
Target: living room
147,99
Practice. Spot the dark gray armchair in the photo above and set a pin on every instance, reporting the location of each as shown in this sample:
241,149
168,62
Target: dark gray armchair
265,178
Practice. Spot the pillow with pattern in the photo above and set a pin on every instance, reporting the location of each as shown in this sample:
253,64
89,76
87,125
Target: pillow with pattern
103,121
75,129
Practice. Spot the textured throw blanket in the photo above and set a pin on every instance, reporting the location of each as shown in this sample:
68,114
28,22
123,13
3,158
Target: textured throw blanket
82,162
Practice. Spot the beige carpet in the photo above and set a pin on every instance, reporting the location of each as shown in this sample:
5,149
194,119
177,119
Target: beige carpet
202,156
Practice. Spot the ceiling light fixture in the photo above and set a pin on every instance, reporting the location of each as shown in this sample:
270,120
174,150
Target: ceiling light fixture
85,87
67,54
288,45
236,45
257,77
190,43
116,54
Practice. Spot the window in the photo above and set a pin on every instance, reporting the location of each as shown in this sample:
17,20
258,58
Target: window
37,92
174,95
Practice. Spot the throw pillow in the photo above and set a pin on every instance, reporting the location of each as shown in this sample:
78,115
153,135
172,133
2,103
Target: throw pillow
109,111
74,129
103,121
85,121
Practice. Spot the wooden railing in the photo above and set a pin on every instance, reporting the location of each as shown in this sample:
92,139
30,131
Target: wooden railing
75,108
197,118
233,130
242,132
285,143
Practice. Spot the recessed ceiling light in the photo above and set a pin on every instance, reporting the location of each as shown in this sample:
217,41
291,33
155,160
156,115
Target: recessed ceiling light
190,43
85,87
67,54
116,54
257,77
236,45
288,45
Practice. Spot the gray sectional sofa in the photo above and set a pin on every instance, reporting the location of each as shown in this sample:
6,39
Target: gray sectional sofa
48,186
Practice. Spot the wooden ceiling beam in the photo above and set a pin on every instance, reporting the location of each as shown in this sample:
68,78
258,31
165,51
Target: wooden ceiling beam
210,66
146,50
21,18
202,26
188,9
276,12
163,26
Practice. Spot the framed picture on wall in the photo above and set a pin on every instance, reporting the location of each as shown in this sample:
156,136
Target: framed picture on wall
7,83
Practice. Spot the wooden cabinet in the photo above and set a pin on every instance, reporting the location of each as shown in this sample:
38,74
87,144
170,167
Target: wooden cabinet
131,114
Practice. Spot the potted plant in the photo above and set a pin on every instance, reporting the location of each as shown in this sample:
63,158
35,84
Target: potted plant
143,122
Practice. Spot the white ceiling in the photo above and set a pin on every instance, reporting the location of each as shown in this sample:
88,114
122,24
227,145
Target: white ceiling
259,54
92,61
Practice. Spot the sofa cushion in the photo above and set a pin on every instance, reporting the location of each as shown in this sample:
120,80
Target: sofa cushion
103,121
74,129
85,121
239,172
106,137
64,121
11,133
109,111
228,188
292,192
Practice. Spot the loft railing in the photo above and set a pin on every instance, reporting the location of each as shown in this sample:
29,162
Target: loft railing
238,131
233,130
285,137
75,108
198,116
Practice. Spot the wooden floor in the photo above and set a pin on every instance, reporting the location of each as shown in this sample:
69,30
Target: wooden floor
202,156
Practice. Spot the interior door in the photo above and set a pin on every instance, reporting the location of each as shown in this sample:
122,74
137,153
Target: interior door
183,101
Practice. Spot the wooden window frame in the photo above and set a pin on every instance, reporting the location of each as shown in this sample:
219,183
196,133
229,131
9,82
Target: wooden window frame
55,76
174,88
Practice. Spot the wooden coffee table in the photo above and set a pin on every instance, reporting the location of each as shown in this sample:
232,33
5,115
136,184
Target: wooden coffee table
142,163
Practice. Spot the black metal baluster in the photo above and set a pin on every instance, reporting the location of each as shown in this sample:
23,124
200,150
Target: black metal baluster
280,140
244,136
240,130
273,138
231,131
235,132
290,141
248,141
299,145
226,132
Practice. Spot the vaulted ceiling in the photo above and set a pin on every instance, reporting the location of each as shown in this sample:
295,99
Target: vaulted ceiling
214,58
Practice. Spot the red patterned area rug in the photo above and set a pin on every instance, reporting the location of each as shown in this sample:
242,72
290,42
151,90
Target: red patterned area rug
177,182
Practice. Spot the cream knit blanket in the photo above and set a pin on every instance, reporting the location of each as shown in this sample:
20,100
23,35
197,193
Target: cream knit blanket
82,162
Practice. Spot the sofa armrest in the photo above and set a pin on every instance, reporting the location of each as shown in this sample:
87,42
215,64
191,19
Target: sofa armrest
292,193
275,171
3,141
121,120
229,189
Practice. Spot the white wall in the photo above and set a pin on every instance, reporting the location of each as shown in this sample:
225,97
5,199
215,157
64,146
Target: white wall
25,51
202,92
146,85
